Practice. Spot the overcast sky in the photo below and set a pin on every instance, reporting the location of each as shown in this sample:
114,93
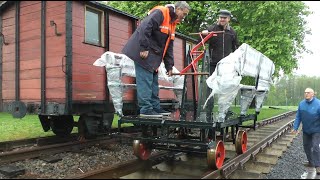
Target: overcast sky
310,64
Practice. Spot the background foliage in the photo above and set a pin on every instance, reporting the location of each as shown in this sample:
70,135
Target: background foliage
275,28
289,90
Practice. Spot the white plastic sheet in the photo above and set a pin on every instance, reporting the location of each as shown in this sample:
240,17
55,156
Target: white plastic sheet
118,65
225,80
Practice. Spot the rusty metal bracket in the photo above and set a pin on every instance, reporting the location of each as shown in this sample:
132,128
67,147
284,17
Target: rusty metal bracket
52,23
198,54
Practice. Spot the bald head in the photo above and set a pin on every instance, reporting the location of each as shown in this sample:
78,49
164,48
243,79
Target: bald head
308,94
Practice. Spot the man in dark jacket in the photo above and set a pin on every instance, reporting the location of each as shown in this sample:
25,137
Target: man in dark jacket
308,114
151,43
221,45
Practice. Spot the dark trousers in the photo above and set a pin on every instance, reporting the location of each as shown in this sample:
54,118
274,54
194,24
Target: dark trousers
311,145
210,102
147,89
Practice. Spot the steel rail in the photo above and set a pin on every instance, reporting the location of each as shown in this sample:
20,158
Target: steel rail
239,161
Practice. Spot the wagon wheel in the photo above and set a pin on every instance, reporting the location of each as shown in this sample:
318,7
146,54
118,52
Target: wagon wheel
241,142
62,125
83,131
141,150
216,155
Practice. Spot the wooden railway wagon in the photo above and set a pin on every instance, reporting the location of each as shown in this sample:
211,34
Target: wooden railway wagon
47,50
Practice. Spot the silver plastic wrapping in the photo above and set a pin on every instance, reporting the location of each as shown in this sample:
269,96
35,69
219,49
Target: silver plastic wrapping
176,80
224,102
225,80
247,94
265,74
115,88
118,65
260,97
254,63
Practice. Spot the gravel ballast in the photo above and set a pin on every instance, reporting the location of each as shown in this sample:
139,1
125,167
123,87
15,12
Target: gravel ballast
75,163
290,164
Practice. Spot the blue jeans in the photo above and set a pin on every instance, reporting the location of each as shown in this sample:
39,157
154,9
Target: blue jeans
147,89
311,145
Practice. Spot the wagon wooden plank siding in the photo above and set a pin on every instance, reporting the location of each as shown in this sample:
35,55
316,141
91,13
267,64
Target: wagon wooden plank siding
30,51
88,81
47,52
8,55
55,48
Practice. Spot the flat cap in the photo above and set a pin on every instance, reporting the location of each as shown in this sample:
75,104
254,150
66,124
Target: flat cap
224,13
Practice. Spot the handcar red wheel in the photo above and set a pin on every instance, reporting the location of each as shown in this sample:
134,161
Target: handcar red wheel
216,155
241,142
141,150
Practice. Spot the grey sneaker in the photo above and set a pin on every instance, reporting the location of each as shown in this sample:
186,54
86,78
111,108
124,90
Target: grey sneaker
151,114
318,170
163,112
307,164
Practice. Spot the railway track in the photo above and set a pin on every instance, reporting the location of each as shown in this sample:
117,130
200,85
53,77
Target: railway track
7,146
37,161
18,144
46,147
265,145
48,150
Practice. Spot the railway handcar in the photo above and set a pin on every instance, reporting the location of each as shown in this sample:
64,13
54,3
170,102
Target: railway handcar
207,132
47,50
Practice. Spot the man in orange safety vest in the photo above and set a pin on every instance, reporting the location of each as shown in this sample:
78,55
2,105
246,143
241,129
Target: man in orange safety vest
149,45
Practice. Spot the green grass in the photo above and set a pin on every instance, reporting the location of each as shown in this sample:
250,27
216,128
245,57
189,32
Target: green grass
30,126
115,122
265,113
27,127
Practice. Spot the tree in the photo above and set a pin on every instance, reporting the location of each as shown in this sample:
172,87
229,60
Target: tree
294,87
275,28
200,10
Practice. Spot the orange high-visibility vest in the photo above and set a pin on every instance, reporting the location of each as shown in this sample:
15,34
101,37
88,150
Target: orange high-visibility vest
166,27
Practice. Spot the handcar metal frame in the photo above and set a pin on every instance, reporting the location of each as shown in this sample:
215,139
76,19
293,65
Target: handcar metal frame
181,135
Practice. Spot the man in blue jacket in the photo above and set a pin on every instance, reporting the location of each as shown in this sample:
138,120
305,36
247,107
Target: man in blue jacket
309,114
149,45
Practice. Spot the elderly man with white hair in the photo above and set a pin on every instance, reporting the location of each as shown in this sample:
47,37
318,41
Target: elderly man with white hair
309,114
150,44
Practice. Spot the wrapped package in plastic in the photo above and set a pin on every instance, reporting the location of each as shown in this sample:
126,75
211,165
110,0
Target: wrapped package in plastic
225,80
115,88
260,97
264,85
247,94
250,61
224,102
178,83
265,74
176,80
267,68
118,65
